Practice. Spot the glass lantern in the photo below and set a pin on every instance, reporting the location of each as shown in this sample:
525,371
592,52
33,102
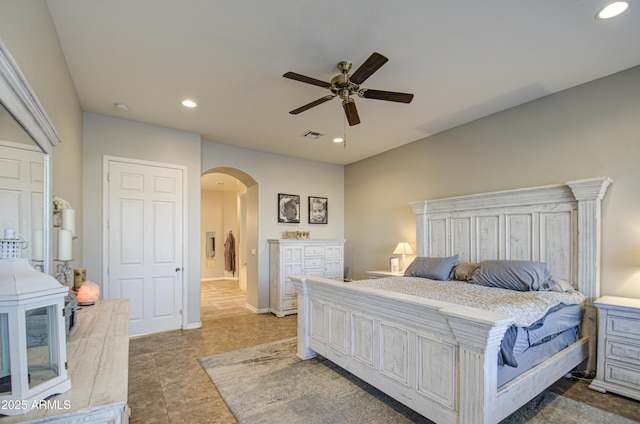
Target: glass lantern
32,333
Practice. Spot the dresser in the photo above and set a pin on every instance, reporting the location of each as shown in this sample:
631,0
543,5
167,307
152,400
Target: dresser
618,347
321,258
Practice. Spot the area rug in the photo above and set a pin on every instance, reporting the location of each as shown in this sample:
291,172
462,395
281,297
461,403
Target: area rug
270,384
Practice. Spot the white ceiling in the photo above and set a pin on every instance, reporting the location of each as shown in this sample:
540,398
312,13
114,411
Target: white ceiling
463,59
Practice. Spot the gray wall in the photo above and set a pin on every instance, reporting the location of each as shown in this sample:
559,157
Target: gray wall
587,131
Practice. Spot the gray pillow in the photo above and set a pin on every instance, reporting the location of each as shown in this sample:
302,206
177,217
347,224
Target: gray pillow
431,268
512,275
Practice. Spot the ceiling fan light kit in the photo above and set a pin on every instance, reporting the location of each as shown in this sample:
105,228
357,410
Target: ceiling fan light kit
346,85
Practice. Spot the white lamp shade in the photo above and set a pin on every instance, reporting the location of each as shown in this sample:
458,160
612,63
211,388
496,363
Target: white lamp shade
403,248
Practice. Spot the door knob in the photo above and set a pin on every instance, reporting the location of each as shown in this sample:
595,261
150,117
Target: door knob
178,269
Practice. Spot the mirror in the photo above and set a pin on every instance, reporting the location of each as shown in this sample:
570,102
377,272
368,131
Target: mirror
22,180
26,139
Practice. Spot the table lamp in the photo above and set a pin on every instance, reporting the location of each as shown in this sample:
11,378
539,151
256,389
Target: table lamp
403,248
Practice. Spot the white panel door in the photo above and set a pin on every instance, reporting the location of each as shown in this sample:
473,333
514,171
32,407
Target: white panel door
145,240
21,192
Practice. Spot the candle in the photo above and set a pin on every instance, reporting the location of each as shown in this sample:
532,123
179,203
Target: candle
64,245
37,249
69,220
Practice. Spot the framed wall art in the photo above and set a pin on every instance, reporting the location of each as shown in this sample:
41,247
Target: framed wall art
318,210
288,208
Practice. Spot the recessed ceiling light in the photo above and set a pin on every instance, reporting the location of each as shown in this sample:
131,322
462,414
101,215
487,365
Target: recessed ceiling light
121,106
189,103
612,10
338,140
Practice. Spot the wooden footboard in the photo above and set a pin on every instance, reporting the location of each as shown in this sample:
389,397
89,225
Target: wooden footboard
437,358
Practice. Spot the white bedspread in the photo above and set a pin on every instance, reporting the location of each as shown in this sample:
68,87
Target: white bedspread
525,307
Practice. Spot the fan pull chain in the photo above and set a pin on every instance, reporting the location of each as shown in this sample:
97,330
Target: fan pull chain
344,138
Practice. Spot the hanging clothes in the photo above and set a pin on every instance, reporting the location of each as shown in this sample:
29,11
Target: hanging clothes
230,254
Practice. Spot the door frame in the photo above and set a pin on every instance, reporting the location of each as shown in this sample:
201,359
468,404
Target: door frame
106,159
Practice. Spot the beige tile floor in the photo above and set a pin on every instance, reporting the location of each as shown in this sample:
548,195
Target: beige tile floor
168,385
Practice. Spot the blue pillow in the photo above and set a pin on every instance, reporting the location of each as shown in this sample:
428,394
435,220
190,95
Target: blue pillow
512,275
431,268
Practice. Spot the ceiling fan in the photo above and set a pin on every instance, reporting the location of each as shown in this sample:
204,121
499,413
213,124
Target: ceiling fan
346,85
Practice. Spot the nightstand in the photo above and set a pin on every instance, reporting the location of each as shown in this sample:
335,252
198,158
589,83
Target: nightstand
382,274
618,347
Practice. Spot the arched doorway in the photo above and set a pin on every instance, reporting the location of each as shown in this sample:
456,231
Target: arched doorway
230,210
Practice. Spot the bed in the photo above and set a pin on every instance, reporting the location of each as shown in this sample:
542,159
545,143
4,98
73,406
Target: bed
439,357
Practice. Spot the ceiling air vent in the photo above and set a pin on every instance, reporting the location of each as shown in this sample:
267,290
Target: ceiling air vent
312,135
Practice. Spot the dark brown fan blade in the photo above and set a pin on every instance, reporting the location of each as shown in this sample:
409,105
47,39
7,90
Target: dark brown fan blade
308,80
351,111
312,104
387,95
372,64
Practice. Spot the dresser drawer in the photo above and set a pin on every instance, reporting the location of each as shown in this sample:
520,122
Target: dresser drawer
314,251
316,263
623,326
315,272
628,377
622,351
289,302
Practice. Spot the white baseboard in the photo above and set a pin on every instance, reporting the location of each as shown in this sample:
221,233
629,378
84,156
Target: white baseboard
193,325
219,279
256,310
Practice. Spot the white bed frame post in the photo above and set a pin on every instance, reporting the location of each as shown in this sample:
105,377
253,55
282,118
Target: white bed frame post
304,323
589,194
422,227
478,346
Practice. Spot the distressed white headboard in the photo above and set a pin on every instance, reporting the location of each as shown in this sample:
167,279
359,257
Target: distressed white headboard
556,224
